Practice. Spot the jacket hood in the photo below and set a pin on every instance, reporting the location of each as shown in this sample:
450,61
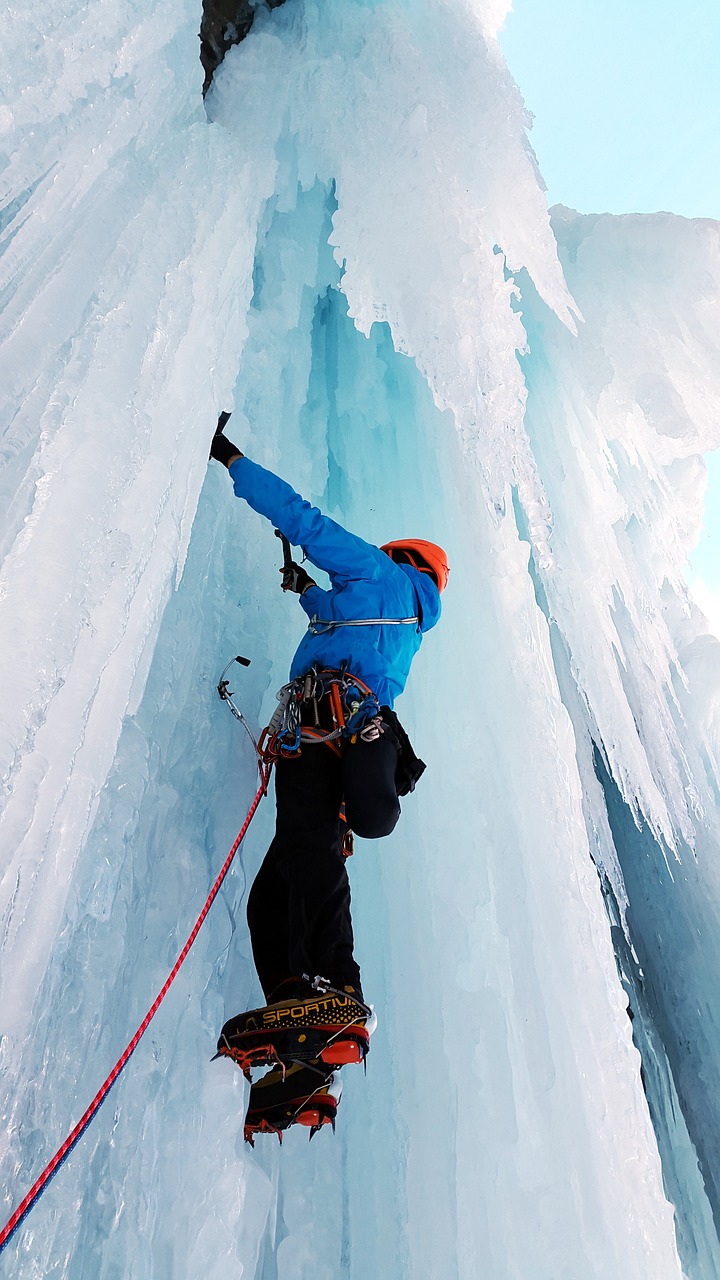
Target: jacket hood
427,594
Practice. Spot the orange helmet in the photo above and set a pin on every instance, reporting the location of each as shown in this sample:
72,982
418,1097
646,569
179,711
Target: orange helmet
425,556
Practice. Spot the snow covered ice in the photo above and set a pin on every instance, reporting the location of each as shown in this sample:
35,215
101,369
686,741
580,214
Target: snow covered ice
356,255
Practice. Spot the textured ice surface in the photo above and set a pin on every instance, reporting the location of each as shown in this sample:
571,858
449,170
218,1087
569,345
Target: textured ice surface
356,253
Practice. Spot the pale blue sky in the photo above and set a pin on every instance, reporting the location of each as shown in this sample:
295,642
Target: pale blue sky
626,99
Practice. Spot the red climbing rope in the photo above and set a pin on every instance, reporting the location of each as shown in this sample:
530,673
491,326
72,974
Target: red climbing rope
63,1152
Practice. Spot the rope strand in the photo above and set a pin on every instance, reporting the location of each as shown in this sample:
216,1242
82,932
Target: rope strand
63,1152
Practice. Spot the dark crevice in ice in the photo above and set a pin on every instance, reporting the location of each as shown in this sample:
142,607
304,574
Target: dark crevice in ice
225,23
645,951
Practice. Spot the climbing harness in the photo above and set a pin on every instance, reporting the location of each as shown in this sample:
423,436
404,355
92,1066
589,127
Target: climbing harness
325,706
63,1152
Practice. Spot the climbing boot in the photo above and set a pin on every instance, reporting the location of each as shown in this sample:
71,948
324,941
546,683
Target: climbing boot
316,1022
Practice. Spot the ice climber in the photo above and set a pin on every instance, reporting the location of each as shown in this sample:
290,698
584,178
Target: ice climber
342,760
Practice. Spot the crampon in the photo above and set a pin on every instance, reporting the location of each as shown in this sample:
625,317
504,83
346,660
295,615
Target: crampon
307,1094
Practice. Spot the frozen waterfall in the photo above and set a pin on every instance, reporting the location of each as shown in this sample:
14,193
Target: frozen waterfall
351,248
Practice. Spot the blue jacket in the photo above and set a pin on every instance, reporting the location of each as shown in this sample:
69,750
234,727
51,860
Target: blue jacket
365,584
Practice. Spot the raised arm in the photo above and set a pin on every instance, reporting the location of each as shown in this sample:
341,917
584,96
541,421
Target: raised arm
326,543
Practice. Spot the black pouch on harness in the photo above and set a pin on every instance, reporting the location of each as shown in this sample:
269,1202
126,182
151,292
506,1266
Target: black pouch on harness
409,766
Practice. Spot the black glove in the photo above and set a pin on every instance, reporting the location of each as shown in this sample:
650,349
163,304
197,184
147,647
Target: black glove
223,449
296,579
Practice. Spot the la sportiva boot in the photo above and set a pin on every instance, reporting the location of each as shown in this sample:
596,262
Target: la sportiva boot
305,1093
316,1021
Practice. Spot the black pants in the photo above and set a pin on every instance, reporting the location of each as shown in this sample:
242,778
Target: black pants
299,905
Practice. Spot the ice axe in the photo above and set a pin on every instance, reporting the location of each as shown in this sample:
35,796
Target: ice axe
292,573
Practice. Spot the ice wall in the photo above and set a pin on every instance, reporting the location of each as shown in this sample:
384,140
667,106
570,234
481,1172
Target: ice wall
353,252
619,419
